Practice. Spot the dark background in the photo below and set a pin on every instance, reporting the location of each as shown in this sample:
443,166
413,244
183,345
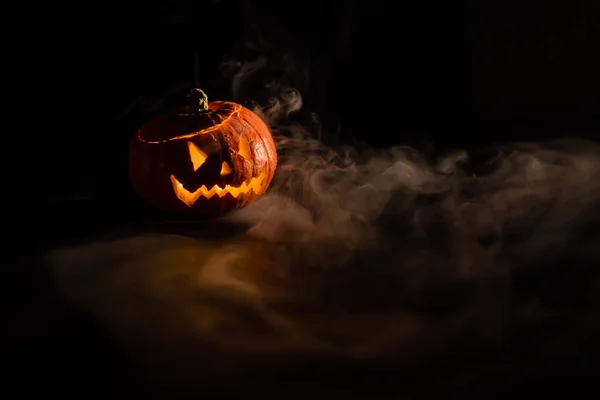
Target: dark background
445,75
434,76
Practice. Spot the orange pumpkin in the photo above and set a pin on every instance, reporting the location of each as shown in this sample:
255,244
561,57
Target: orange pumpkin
203,158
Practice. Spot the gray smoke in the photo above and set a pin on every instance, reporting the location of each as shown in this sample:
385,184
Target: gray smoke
358,259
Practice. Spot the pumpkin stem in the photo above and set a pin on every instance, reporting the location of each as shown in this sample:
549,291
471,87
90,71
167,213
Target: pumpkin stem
198,100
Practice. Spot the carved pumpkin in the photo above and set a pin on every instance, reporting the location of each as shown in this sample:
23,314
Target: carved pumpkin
203,158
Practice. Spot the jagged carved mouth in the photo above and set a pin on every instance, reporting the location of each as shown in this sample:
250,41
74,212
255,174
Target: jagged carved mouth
190,198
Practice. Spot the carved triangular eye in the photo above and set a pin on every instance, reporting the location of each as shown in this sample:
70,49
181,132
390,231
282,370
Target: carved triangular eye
197,156
225,169
244,150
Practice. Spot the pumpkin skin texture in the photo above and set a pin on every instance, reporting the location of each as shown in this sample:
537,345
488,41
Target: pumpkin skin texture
203,158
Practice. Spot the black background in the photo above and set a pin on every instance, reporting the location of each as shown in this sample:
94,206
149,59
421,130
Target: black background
456,75
433,76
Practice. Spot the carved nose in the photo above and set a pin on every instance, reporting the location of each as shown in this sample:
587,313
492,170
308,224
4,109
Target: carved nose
225,169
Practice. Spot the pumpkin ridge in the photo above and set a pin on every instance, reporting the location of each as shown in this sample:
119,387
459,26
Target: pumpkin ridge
236,137
249,128
270,167
248,125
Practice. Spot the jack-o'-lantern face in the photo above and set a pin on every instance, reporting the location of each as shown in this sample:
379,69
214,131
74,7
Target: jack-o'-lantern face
216,160
216,166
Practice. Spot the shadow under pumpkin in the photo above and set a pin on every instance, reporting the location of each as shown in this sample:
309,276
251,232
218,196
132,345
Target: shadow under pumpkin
206,160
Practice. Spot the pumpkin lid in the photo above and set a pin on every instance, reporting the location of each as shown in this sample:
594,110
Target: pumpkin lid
198,117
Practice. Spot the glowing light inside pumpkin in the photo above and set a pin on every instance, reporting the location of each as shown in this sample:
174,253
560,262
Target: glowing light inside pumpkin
225,170
244,150
189,198
197,156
